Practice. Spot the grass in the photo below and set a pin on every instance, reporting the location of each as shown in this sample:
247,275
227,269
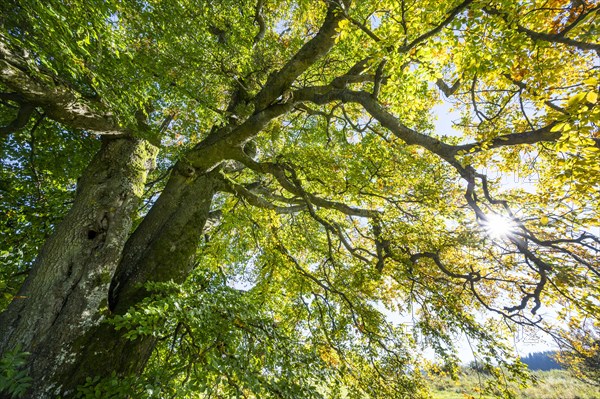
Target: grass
554,384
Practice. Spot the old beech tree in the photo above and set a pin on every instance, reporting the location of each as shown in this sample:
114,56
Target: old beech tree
248,198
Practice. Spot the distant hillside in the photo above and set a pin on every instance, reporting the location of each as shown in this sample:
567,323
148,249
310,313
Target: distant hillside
541,361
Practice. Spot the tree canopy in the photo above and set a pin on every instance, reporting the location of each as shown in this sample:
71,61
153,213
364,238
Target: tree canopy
249,198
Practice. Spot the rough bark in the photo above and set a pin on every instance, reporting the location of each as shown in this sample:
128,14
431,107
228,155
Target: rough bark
65,293
161,249
68,340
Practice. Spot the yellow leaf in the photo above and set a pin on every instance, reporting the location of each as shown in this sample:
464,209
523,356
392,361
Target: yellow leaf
592,97
343,24
576,99
544,220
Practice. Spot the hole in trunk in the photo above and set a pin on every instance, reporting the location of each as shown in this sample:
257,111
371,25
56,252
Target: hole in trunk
91,234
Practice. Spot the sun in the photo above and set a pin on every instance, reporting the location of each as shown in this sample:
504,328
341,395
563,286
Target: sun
498,226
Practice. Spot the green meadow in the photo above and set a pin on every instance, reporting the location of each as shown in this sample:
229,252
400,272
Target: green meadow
553,384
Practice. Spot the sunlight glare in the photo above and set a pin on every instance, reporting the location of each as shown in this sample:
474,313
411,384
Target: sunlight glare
498,226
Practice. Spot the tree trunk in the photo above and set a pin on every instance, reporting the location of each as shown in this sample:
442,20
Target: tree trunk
65,293
161,249
67,340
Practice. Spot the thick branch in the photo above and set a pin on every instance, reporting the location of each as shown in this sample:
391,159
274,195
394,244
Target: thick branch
314,49
557,38
258,201
550,37
225,142
323,94
447,90
473,277
364,28
292,185
58,102
543,134
378,78
453,13
260,20
19,122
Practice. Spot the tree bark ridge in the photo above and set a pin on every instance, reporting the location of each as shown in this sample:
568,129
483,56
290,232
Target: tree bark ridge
66,290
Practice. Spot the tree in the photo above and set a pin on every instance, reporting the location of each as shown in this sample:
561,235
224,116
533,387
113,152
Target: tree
222,198
582,355
541,361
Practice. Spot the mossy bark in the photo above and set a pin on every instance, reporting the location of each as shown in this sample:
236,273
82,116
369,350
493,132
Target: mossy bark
161,249
65,293
70,343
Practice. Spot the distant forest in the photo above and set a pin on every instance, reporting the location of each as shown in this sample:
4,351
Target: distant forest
541,361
